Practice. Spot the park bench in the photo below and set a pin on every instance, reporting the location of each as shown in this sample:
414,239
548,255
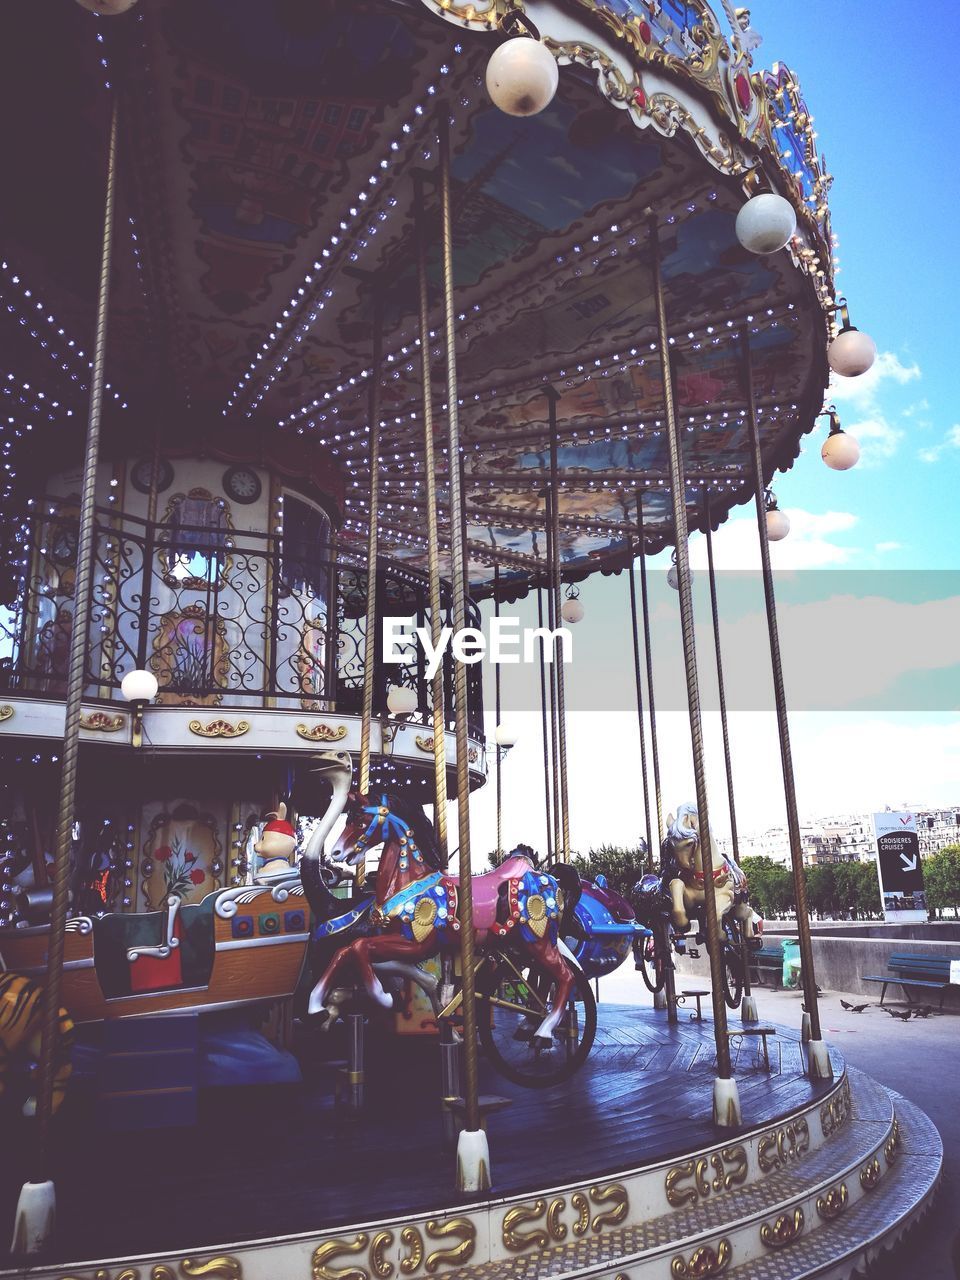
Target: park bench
767,960
910,970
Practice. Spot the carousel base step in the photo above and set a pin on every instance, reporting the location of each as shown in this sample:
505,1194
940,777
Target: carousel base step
149,1073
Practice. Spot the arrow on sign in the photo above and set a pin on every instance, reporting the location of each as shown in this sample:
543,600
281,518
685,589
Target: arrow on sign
909,861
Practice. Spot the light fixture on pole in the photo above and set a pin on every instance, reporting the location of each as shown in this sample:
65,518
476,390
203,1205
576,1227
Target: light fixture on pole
401,700
778,522
522,74
506,737
138,687
572,609
673,573
766,223
840,451
851,352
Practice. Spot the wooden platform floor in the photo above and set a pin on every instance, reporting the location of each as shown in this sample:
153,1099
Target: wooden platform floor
281,1161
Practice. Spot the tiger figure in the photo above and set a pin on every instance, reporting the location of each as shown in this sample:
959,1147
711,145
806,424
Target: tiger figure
20,1033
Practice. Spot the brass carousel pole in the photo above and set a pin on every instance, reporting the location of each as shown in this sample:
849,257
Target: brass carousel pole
666,997
496,686
544,731
748,1005
638,682
433,552
373,515
726,1100
473,1155
648,655
552,676
36,1211
561,704
818,1058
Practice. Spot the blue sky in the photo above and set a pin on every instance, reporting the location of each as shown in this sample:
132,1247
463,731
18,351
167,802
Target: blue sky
879,98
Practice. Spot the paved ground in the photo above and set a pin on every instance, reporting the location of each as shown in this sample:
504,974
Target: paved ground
919,1058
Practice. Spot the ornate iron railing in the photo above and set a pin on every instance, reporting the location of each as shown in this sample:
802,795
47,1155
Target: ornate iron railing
223,617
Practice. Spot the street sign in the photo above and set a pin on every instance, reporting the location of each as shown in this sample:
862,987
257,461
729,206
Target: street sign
899,866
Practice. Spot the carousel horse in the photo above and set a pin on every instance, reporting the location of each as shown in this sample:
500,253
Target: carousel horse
682,875
414,910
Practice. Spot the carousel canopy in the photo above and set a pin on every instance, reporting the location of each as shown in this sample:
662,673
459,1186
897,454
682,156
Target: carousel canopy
269,156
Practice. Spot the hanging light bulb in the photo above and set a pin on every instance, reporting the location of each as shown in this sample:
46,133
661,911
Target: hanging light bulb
766,223
522,74
673,573
506,736
401,700
851,352
778,522
840,452
572,610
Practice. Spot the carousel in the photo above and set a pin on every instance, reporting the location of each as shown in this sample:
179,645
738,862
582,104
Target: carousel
327,323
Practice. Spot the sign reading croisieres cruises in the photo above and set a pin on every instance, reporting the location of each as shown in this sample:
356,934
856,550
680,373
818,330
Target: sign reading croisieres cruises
900,866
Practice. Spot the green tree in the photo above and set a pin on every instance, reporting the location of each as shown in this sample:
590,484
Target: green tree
941,878
821,889
771,885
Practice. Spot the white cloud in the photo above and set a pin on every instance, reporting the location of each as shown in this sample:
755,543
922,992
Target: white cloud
883,547
865,410
864,392
950,441
879,435
809,545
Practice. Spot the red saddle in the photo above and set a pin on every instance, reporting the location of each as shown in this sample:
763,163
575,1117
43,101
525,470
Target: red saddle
486,889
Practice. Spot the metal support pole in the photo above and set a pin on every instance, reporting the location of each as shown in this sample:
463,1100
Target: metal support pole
36,1210
496,687
373,515
473,1157
638,681
355,1078
819,1059
726,1102
561,705
648,654
433,551
748,1005
545,733
552,623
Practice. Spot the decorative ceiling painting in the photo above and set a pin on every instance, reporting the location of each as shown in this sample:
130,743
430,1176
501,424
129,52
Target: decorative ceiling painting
270,214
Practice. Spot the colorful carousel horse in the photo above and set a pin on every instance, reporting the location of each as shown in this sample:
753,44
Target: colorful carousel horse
682,874
415,909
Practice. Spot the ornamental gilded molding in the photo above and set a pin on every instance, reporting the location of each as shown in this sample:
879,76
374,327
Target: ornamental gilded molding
784,1229
321,732
101,722
219,728
704,1262
6,712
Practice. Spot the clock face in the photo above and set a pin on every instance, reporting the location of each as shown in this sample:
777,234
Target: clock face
242,484
141,474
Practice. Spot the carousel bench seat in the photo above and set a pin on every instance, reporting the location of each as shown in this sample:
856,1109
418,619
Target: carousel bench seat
768,960
117,937
908,970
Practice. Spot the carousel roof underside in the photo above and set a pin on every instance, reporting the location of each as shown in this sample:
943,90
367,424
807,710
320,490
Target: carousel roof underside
267,153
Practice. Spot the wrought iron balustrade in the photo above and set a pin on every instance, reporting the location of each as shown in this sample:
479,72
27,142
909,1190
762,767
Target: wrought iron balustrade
223,617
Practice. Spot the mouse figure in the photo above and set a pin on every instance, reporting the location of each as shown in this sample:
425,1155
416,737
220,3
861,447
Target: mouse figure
276,847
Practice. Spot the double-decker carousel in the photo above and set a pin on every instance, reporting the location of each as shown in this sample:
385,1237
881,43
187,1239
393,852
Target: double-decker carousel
318,314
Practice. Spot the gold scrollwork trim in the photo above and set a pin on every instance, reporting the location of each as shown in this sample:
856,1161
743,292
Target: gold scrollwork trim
704,1262
582,1206
616,1196
835,1113
381,1267
891,1148
321,732
556,1228
222,1268
324,1254
516,1240
833,1203
6,712
460,1228
219,728
730,1168
870,1174
411,1239
100,722
425,744
783,1230
780,1145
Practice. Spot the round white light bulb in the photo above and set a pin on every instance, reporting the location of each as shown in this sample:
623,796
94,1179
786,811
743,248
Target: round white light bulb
139,686
401,700
522,76
766,223
505,736
673,577
840,452
778,524
851,353
572,611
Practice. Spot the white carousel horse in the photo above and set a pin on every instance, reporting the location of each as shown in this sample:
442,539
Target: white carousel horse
684,876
